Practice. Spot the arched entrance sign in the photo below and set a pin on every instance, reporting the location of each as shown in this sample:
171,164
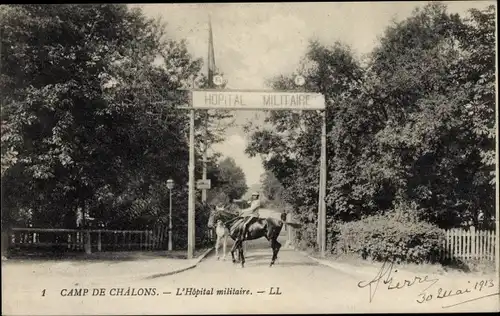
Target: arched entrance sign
205,99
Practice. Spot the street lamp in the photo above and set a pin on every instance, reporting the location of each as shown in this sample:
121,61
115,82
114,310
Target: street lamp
170,186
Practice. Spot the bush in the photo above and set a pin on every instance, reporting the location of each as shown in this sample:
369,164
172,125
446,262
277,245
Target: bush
180,222
332,234
394,236
306,234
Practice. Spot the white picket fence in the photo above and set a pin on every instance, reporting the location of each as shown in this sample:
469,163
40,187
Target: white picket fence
469,244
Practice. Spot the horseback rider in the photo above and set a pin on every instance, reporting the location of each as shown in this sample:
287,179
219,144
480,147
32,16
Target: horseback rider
250,214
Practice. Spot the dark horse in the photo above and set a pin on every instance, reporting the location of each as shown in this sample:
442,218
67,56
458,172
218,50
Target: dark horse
269,227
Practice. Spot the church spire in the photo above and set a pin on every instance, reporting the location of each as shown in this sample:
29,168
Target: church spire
211,56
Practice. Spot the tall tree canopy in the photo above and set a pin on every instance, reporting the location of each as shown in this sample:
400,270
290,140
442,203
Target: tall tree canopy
272,189
80,126
228,180
411,129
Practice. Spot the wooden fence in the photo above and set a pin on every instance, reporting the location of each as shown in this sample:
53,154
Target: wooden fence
469,244
89,240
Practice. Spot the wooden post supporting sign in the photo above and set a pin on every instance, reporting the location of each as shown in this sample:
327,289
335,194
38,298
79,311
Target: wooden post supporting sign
192,196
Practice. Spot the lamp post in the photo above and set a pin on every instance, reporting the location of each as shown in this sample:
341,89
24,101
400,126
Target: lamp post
170,186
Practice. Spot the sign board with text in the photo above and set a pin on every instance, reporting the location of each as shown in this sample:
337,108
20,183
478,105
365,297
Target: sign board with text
256,100
203,184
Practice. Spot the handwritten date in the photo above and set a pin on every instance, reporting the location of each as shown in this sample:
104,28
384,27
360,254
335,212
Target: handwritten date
441,293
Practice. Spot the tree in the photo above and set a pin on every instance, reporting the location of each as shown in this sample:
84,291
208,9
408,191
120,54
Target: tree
228,182
271,187
78,118
426,77
412,130
292,145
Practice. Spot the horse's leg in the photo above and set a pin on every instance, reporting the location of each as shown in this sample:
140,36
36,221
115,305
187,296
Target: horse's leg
277,247
224,245
217,245
274,247
235,245
239,253
242,256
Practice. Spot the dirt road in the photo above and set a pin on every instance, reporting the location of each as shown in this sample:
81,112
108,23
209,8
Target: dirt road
296,284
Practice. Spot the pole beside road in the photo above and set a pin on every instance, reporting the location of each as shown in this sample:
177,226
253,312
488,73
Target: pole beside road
211,71
319,238
191,197
170,247
205,148
323,186
170,185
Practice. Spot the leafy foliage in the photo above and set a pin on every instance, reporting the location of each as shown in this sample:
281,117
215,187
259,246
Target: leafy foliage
271,187
397,237
411,125
273,193
430,142
77,82
82,128
229,182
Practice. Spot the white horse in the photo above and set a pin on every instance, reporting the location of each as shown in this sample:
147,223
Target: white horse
221,233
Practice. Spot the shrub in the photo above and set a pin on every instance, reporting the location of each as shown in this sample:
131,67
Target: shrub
201,227
306,234
395,236
332,234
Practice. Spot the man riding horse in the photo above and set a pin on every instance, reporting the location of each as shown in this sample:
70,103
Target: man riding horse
250,214
247,226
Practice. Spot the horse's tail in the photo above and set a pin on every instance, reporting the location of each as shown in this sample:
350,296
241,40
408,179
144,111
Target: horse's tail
283,216
283,219
294,225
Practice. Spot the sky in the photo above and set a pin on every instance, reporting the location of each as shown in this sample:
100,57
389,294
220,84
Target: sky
256,41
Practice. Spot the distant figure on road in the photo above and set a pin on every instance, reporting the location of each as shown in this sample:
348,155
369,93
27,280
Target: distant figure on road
251,214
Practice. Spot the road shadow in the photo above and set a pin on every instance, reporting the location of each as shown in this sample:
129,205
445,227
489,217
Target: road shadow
257,257
283,264
262,254
456,264
105,256
161,275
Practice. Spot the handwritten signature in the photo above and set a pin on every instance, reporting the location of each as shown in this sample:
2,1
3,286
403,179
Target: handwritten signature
384,276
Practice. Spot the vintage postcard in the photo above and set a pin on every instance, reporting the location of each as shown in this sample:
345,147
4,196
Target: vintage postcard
256,158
